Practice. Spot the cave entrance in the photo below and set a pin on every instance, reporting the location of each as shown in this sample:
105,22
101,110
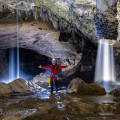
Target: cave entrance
29,62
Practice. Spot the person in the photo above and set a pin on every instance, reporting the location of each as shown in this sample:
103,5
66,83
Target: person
54,72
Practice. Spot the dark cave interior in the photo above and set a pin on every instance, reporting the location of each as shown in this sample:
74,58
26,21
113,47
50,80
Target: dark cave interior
29,62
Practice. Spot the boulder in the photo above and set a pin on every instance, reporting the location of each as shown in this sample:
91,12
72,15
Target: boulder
80,87
41,80
4,88
115,92
19,85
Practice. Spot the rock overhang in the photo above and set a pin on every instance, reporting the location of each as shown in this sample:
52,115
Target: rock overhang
82,14
58,13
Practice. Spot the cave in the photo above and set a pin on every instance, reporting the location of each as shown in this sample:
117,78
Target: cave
76,45
29,62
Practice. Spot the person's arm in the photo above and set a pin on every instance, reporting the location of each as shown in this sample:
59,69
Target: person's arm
45,67
65,66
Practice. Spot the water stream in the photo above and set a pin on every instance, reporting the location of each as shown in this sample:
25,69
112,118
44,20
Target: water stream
11,64
105,68
18,59
14,60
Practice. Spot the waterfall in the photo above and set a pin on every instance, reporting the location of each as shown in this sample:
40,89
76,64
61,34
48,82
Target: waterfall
14,59
11,64
105,68
18,59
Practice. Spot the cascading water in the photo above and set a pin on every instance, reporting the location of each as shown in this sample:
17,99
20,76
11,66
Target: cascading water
11,64
105,68
14,57
14,60
18,59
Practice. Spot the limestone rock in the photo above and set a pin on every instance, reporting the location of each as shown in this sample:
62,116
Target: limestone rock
80,87
46,106
80,16
59,13
21,85
115,92
18,85
105,19
88,108
41,80
4,88
36,36
73,65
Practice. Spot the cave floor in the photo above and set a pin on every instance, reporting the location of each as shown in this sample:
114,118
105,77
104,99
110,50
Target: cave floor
42,105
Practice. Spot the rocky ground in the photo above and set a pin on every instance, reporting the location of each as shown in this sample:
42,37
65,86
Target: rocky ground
58,106
41,104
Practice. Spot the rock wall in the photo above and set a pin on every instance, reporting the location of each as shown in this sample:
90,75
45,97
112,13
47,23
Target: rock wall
59,13
105,19
38,37
4,68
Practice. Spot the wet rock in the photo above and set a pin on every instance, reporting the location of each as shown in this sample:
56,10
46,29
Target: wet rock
41,80
4,88
117,99
81,108
18,85
46,106
19,114
80,87
115,92
89,108
11,118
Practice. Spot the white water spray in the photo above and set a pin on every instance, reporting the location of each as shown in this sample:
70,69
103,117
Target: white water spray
11,64
105,68
14,64
18,59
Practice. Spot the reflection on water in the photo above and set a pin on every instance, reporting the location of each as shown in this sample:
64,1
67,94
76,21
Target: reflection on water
97,99
76,98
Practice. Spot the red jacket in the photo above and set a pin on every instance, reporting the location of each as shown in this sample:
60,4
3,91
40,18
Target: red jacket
56,69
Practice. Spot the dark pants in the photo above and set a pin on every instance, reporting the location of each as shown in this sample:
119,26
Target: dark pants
56,85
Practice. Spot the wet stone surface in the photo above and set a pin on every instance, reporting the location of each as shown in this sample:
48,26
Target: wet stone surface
58,106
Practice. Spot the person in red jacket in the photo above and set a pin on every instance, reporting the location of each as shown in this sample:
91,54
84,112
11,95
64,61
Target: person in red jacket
54,72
